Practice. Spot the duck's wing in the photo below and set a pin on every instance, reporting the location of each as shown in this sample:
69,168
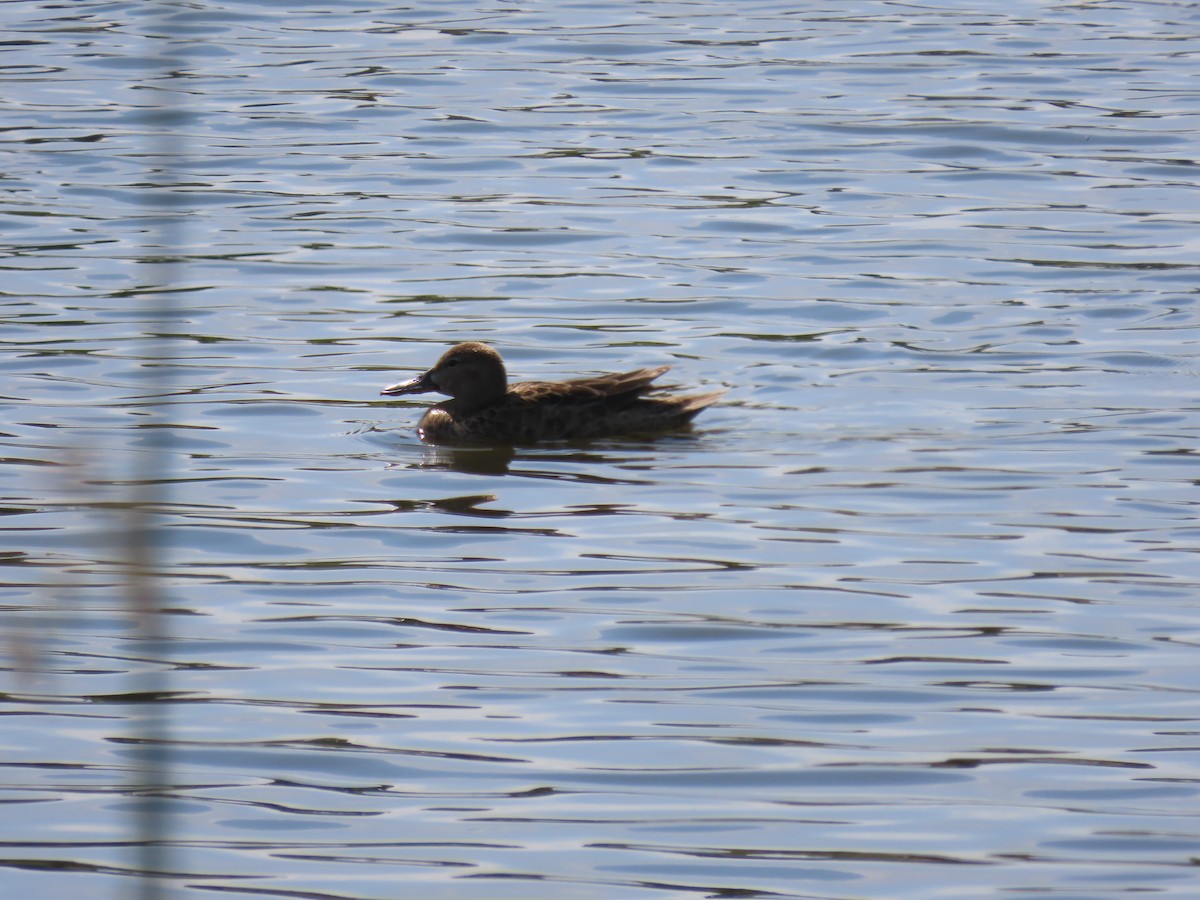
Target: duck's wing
599,387
618,384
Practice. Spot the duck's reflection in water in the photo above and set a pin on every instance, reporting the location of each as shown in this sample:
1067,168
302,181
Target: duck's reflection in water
469,460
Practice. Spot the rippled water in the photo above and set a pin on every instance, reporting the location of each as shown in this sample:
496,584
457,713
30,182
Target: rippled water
912,613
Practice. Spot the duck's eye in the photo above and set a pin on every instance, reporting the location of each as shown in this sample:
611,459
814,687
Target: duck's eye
450,363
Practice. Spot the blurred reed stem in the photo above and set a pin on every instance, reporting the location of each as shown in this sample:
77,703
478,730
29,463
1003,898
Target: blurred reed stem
148,523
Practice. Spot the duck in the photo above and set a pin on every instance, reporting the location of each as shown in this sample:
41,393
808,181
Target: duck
485,409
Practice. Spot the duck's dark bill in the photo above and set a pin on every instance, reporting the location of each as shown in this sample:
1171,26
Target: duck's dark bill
418,385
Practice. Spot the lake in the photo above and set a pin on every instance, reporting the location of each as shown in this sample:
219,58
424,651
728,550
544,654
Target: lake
913,612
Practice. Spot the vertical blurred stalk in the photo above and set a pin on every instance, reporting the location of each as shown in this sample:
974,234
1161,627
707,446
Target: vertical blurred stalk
163,212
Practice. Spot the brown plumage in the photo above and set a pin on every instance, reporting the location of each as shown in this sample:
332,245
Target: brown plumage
485,408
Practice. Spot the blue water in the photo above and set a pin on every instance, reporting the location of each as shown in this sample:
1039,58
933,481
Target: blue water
912,613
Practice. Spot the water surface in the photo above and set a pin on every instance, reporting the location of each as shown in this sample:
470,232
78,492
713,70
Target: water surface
911,614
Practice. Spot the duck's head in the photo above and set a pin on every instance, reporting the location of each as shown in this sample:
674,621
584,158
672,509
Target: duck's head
472,372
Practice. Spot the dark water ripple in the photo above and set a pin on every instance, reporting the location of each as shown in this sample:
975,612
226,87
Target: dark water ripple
911,614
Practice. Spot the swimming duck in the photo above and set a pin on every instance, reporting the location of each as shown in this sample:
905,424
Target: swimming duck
485,408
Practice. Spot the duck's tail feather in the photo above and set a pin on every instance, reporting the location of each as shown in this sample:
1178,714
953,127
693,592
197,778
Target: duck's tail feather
689,406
